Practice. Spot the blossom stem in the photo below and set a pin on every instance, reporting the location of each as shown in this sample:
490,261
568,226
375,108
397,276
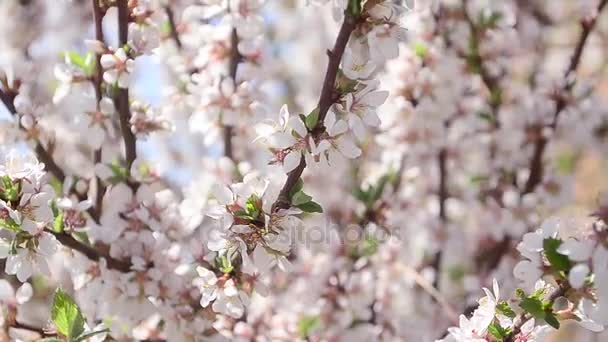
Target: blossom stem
326,100
122,99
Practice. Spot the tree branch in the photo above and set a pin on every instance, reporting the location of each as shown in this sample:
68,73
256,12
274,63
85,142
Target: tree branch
173,27
536,162
122,99
90,252
235,58
326,100
97,82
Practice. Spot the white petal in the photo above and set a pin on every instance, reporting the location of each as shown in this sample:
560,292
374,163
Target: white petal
291,161
577,275
24,293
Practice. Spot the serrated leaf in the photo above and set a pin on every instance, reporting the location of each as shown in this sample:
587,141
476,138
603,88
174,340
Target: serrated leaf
310,207
559,262
66,315
300,198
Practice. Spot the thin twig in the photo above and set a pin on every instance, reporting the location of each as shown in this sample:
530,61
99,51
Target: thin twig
173,27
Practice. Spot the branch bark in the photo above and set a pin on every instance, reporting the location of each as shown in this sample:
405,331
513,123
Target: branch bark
173,27
122,99
235,58
90,252
326,100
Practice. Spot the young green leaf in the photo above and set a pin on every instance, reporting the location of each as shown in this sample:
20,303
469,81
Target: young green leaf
310,207
559,262
300,198
533,306
503,308
307,324
67,316
312,119
552,320
499,333
296,188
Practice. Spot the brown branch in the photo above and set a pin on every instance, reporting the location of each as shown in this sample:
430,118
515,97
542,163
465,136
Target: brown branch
122,99
326,100
97,83
235,58
536,162
173,27
90,252
442,196
32,328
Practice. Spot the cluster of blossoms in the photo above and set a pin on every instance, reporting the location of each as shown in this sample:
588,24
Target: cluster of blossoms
26,214
429,154
375,38
563,277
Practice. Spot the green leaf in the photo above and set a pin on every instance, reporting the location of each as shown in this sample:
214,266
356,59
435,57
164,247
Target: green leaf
420,49
533,306
559,262
369,246
310,207
296,188
58,222
552,320
85,63
49,339
85,336
354,8
499,333
253,206
312,119
307,324
300,198
9,191
9,224
67,316
503,308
